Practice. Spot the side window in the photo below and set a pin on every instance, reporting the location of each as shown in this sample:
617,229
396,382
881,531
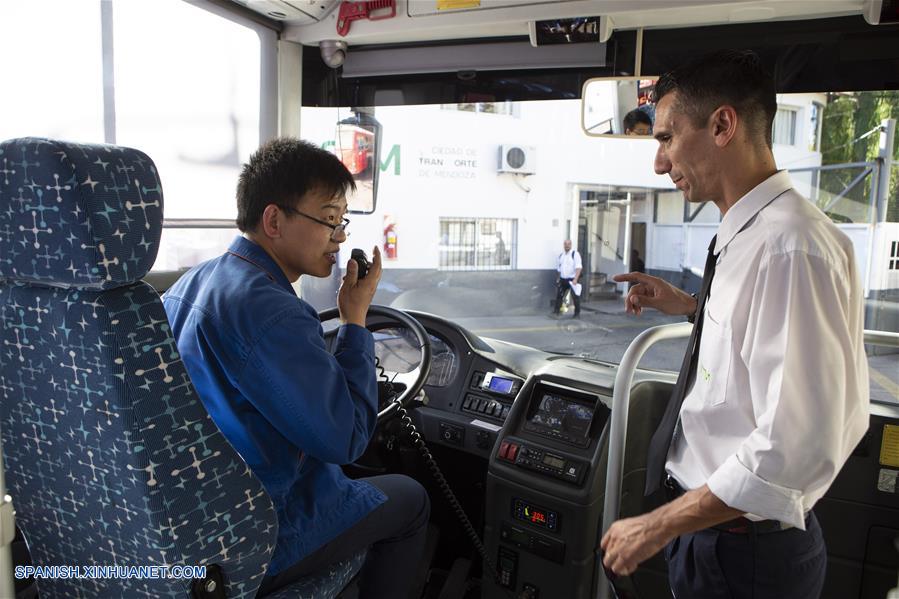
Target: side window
182,83
52,71
192,103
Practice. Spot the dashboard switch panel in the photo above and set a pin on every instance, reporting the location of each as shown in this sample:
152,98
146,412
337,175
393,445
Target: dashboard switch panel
485,406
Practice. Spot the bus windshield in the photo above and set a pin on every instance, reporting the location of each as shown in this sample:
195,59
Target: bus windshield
477,201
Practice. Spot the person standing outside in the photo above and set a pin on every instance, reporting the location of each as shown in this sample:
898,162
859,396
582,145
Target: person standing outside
500,257
294,411
773,394
568,266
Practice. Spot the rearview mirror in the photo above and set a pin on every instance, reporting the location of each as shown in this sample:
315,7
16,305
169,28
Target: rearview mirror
358,145
618,106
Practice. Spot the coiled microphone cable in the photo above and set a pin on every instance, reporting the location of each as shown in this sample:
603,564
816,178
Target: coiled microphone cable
419,443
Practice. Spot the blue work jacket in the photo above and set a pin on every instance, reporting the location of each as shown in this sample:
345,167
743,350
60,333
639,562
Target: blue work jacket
294,412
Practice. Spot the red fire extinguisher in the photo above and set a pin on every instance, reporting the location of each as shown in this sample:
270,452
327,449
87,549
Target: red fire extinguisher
390,241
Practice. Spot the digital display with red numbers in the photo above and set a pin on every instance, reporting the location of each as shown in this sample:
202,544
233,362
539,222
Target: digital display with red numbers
538,516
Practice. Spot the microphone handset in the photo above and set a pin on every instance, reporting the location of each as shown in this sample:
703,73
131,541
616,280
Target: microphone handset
362,261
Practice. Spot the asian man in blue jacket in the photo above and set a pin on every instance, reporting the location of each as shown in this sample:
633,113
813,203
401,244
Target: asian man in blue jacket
294,411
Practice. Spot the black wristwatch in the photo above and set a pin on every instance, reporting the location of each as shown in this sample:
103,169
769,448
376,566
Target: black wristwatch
692,317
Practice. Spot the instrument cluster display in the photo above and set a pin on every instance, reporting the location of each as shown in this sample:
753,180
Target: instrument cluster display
398,351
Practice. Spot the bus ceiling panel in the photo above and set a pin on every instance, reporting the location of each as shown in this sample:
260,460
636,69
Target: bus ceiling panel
428,20
421,21
239,10
678,15
293,12
495,56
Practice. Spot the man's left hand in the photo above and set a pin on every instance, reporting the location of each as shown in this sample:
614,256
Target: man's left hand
631,541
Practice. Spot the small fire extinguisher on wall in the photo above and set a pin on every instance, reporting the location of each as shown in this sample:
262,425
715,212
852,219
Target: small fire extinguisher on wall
390,238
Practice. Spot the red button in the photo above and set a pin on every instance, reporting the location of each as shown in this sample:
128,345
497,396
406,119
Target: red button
503,450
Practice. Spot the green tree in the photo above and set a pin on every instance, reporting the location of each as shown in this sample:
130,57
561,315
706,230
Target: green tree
850,134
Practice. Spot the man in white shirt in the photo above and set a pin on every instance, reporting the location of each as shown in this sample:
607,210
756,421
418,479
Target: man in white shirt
569,268
779,398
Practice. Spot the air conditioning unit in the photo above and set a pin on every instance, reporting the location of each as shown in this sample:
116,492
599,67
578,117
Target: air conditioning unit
517,159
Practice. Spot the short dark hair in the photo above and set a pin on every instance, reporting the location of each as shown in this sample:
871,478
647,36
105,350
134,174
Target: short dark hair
636,116
734,77
282,171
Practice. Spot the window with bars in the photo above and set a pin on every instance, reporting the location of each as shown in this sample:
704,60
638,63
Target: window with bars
478,243
894,256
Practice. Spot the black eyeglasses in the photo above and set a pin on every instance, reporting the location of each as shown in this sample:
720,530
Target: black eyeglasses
335,229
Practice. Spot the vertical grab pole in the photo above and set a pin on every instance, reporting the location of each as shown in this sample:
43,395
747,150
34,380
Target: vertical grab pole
621,404
7,533
618,425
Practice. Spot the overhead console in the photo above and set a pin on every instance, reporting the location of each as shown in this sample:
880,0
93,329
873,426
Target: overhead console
544,490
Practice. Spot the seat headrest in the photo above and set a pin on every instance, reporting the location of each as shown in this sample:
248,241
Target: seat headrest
77,216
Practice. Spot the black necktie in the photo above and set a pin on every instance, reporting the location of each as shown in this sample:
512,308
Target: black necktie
661,439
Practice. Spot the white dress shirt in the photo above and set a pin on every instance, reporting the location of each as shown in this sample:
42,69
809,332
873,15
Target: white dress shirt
568,264
780,398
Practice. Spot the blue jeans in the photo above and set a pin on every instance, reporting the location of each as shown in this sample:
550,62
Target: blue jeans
394,532
714,564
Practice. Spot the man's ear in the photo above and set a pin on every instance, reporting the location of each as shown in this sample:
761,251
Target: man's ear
271,222
724,122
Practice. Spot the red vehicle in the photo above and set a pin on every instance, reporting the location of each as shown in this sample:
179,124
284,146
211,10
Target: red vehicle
355,147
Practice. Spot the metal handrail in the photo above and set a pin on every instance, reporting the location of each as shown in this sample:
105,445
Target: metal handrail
621,406
618,420
881,338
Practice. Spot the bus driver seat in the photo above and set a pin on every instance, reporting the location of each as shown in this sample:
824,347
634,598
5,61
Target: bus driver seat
110,457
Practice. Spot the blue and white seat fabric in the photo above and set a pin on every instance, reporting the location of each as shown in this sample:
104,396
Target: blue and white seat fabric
110,456
323,585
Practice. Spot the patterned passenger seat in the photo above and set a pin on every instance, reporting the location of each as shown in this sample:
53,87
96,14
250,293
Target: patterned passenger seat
110,457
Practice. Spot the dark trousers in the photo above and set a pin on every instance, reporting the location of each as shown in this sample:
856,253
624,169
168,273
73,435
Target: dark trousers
714,564
564,286
394,533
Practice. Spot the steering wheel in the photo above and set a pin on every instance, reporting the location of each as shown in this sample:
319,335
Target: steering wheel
422,340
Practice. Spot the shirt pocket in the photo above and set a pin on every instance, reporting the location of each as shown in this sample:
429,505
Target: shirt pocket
713,367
